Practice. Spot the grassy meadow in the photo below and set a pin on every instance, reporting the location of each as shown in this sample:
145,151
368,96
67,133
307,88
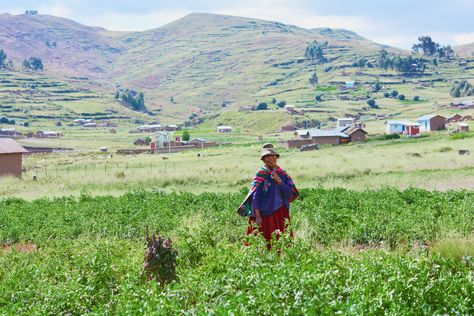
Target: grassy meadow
431,162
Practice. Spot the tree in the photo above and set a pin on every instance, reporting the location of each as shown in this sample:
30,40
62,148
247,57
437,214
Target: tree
386,94
416,98
186,135
445,51
394,93
462,89
4,62
313,80
314,52
131,98
262,106
360,62
383,61
319,97
26,123
377,86
274,100
401,97
372,103
33,64
281,103
426,46
3,58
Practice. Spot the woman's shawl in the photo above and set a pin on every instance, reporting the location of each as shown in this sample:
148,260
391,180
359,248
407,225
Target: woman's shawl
245,209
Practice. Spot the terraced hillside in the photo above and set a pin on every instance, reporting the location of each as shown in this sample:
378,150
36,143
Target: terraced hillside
37,97
202,61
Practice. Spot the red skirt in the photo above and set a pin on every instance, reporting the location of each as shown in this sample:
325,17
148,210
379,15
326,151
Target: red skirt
278,222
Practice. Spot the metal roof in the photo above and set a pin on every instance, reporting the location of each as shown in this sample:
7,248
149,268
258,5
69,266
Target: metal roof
397,122
9,146
323,133
427,117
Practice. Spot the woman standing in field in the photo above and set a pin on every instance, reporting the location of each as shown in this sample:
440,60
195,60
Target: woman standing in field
268,202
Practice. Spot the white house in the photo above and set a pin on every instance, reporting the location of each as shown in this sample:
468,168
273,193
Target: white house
160,138
290,108
395,127
224,129
345,121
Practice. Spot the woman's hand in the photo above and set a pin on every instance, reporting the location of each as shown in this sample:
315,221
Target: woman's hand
276,178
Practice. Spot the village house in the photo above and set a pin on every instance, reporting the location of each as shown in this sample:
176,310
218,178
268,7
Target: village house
141,142
171,128
345,121
48,134
9,132
290,108
395,127
150,128
11,157
224,129
321,137
356,134
454,118
431,122
463,127
412,129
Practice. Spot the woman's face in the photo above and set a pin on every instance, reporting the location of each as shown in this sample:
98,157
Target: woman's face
270,161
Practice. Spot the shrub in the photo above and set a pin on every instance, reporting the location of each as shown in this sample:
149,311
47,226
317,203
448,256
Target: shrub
401,97
392,136
386,94
416,98
281,103
445,149
394,93
262,106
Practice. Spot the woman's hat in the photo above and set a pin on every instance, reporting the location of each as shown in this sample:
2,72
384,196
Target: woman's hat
269,151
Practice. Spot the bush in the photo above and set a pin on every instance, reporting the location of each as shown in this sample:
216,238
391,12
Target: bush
319,97
416,98
386,94
274,100
281,103
186,135
262,106
445,149
394,93
26,124
372,103
392,136
401,97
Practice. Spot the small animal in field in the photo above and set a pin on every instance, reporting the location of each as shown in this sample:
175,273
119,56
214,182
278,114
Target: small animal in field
164,158
464,152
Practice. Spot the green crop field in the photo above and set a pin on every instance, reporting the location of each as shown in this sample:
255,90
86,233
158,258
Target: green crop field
371,252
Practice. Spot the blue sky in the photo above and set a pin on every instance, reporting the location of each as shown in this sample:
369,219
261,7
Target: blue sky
396,22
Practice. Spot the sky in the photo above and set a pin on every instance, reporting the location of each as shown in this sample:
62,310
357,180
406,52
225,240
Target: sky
396,22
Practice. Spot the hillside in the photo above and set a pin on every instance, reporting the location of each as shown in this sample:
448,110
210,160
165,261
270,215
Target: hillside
200,60
466,50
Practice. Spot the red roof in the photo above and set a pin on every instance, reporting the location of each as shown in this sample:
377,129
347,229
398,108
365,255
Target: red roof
9,146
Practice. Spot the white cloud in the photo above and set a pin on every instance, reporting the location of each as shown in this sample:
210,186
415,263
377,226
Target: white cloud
134,22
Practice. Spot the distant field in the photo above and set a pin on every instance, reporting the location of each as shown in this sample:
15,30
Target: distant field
430,162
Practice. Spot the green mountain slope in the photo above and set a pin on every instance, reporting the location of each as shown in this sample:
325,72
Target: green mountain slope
192,64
